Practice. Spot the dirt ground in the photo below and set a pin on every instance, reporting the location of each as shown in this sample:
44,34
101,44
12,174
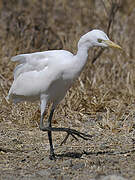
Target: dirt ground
101,103
24,153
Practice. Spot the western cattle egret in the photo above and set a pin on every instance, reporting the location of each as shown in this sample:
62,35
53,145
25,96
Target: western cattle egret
46,76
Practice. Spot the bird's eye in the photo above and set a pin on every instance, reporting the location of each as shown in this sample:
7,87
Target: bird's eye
100,40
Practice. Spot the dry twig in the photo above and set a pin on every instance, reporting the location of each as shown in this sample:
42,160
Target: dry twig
114,9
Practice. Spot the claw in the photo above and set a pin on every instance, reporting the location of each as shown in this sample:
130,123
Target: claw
52,157
75,133
74,137
65,140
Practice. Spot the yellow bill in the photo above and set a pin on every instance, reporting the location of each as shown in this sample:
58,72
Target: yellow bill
112,44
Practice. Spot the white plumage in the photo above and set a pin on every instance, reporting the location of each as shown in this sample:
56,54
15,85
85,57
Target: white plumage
46,76
41,73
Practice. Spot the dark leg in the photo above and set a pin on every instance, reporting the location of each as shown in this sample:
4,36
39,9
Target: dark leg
41,126
52,155
49,129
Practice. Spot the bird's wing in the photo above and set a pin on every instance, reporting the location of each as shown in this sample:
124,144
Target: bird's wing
36,72
31,62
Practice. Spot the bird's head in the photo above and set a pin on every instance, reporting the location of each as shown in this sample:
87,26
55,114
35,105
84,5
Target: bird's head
97,38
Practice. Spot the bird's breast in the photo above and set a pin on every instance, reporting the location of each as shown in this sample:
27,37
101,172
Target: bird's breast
57,90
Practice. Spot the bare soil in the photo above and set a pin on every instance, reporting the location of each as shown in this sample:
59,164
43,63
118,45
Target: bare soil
24,153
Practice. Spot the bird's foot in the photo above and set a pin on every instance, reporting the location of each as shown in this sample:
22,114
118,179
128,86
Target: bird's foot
52,156
69,131
75,133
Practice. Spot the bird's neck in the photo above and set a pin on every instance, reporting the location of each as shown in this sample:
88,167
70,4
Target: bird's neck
84,45
81,56
82,52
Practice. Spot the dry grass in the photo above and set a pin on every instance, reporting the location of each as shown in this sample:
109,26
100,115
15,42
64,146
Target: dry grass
106,86
105,89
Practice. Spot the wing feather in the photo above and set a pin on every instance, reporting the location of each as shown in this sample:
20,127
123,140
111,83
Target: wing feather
36,72
21,58
30,62
38,61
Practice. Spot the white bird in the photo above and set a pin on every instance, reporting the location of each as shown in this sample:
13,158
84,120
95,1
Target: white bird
48,75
